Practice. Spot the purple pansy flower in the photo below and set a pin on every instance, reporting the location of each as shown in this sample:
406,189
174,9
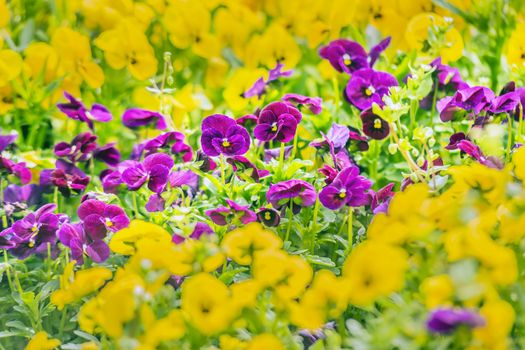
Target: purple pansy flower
135,117
66,176
222,135
108,154
17,169
111,180
200,229
374,126
6,140
232,213
27,194
277,121
259,87
454,140
348,188
76,110
376,50
33,232
345,55
380,199
505,103
446,320
295,193
470,100
154,171
80,243
99,217
172,141
367,86
244,168
475,152
275,153
80,148
313,103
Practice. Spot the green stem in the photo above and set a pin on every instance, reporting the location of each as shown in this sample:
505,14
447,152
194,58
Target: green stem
313,228
62,322
434,101
135,205
294,149
509,138
8,272
223,170
350,222
520,122
290,221
281,160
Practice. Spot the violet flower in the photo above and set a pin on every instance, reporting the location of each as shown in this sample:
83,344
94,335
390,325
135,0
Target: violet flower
108,154
76,110
19,170
222,135
66,176
32,233
291,193
232,213
27,194
275,153
79,150
367,86
259,87
135,117
447,320
313,103
172,141
6,140
374,126
277,121
244,169
475,152
470,100
454,140
345,55
154,171
80,243
348,188
111,180
200,229
99,217
381,199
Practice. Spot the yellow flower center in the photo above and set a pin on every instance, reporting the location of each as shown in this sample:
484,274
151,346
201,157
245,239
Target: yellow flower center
369,91
274,127
342,194
108,222
34,228
226,143
347,60
377,123
267,215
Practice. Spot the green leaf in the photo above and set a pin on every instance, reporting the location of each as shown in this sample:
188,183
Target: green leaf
320,260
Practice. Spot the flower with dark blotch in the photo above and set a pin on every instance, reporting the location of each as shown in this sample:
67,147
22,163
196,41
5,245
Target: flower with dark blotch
135,117
111,180
33,232
454,140
66,176
505,103
6,241
269,217
447,320
244,169
232,213
470,100
348,188
154,171
17,169
108,154
328,172
76,110
172,141
475,152
80,243
277,121
222,135
205,163
380,199
6,140
79,149
200,229
275,153
374,126
367,86
345,55
99,217
313,103
291,193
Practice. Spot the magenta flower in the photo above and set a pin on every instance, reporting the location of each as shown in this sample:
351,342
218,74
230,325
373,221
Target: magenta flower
80,148
135,117
154,171
345,55
6,140
200,229
244,169
76,110
32,233
447,320
232,213
313,103
259,87
269,217
80,243
7,166
348,188
367,86
475,152
277,121
381,199
172,141
99,217
294,193
222,135
66,176
468,101
108,154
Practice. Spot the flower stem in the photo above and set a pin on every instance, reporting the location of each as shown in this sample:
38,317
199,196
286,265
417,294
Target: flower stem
281,159
8,272
509,138
62,321
135,205
290,221
520,122
223,171
294,149
350,222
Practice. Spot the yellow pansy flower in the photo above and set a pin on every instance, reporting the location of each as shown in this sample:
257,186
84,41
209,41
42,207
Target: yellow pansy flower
243,243
40,341
170,327
374,270
241,80
75,58
265,341
124,240
206,303
74,286
437,290
10,66
127,46
499,318
516,48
